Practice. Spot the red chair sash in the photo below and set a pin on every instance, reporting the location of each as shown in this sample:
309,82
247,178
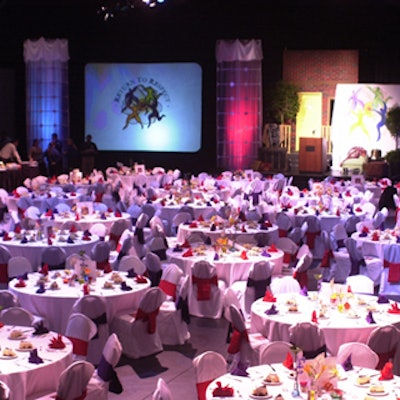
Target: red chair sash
202,388
394,271
79,346
114,237
326,258
287,258
384,358
282,232
236,340
81,397
4,273
204,286
98,197
310,237
104,265
150,318
168,287
302,278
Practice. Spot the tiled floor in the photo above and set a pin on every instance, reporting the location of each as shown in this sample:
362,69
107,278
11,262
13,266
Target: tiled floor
174,364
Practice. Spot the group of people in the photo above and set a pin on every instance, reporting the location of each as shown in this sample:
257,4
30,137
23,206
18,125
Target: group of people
56,159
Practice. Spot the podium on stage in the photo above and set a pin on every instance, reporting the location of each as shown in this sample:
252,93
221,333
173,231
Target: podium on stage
312,154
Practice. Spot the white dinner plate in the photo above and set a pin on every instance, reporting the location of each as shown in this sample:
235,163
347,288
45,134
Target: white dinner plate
25,350
253,396
8,357
17,338
378,393
272,383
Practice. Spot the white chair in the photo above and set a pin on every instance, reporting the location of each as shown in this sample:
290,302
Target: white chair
275,352
16,316
80,330
361,355
301,268
71,260
206,296
100,253
132,262
341,268
170,280
8,299
138,333
54,257
173,317
284,284
18,265
98,229
162,391
177,219
207,367
95,308
289,248
105,378
308,337
116,230
73,382
153,268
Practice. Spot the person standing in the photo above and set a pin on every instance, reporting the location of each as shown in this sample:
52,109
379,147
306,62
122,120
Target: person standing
9,152
54,160
88,155
72,155
35,153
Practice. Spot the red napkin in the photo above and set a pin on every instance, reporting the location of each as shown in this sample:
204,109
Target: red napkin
17,229
188,253
21,283
349,289
49,241
193,224
243,255
73,228
386,372
272,248
222,391
86,290
365,229
86,238
186,244
6,236
49,213
244,229
73,194
57,342
269,297
288,362
359,209
200,219
394,309
77,218
338,212
140,279
267,223
375,236
314,317
45,269
118,214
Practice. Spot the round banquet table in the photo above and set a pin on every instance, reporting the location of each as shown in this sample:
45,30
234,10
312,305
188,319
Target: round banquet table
33,249
231,267
375,247
87,221
25,378
347,382
56,305
250,229
338,327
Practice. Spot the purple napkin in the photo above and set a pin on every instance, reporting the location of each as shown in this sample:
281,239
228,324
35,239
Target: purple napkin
370,318
397,239
382,299
240,369
177,249
87,233
41,288
125,287
216,257
347,365
40,329
207,241
265,253
304,291
69,240
34,358
131,273
24,240
363,234
103,216
272,310
213,228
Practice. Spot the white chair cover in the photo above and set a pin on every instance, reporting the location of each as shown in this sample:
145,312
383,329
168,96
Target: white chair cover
173,318
80,330
285,284
153,268
342,266
94,307
140,337
170,280
308,337
16,316
8,299
18,265
98,229
203,273
275,352
361,355
162,391
129,262
179,218
54,257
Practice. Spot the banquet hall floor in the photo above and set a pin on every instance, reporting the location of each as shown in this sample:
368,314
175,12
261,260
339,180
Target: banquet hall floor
139,377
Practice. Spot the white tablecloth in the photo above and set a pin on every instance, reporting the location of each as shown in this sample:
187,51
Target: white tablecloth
56,305
25,378
374,247
338,327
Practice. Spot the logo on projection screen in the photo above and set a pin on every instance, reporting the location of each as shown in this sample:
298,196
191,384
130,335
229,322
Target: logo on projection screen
142,104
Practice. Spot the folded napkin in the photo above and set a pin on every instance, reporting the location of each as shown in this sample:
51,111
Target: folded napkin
240,369
382,299
347,365
49,241
394,309
86,238
265,253
186,244
125,287
17,228
349,289
272,310
131,273
200,219
103,216
44,270
193,224
375,236
24,240
77,217
6,236
40,329
288,361
272,248
370,318
20,283
177,249
34,358
69,240
386,372
222,391
188,253
49,213
86,232
269,297
304,291
216,256
118,214
243,255
314,317
140,279
56,342
213,228
73,228
363,234
86,289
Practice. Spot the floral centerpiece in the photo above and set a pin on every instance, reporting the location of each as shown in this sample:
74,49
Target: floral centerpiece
84,267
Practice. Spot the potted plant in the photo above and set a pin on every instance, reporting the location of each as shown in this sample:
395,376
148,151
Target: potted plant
393,124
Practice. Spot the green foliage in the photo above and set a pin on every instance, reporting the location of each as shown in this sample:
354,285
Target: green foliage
283,103
393,121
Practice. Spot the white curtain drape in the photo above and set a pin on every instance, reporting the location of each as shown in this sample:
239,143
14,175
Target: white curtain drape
47,89
239,103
